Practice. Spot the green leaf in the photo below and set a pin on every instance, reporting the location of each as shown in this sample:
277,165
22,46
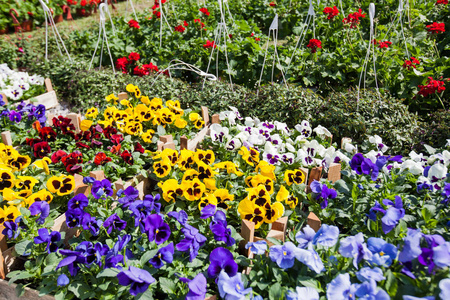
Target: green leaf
307,281
24,247
275,291
147,295
20,275
110,272
391,283
274,241
52,259
167,285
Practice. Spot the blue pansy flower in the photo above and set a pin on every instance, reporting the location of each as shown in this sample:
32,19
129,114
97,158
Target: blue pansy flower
11,230
383,252
354,246
258,248
127,196
340,288
326,236
393,214
305,237
219,227
41,208
411,249
63,280
232,287
310,258
284,255
164,254
51,239
114,222
102,189
368,274
444,285
157,230
197,287
369,290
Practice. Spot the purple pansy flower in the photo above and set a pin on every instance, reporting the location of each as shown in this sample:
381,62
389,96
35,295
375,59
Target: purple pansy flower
156,229
41,208
164,254
114,222
138,279
221,259
51,239
102,189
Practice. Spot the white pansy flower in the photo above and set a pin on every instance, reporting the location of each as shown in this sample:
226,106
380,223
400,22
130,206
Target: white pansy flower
282,127
236,111
271,154
322,131
288,158
290,147
242,136
437,171
249,122
342,156
430,149
416,157
218,133
304,158
256,139
233,144
14,93
413,166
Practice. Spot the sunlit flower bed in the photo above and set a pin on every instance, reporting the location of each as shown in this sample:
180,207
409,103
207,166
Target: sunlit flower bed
384,230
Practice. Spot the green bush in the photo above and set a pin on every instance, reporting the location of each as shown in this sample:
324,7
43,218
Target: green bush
339,111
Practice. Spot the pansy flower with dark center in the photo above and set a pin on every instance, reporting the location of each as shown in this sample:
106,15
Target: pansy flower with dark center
209,199
6,179
25,182
156,229
58,155
186,159
165,254
62,185
221,259
257,180
42,195
126,156
259,195
102,189
79,201
193,190
47,134
252,212
251,156
11,230
19,162
218,227
170,189
294,176
51,239
206,156
114,222
162,168
190,175
204,171
41,149
223,196
75,217
273,212
138,148
15,116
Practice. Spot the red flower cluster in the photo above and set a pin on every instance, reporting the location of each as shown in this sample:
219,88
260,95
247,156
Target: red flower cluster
180,28
257,39
433,86
199,22
411,63
331,12
273,4
353,19
381,44
47,134
205,11
101,159
209,44
72,161
71,2
41,149
65,125
129,65
436,28
443,2
134,24
314,44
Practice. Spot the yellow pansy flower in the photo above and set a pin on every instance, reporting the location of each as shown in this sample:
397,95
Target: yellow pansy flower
206,156
170,189
156,104
130,88
8,213
92,113
207,200
292,201
162,168
251,156
282,194
252,212
145,100
180,123
170,154
42,195
167,117
223,196
186,159
25,182
190,174
266,169
258,179
204,170
193,190
147,136
210,184
259,195
111,98
19,162
62,185
85,125
294,176
7,179
273,212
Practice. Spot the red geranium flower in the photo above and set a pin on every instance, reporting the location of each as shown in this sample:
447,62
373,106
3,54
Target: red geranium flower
353,19
209,44
180,28
162,1
257,39
101,159
41,149
47,134
314,44
204,10
139,148
273,4
157,14
151,67
122,63
433,86
436,28
134,24
126,155
384,44
83,2
411,63
331,12
185,24
58,155
200,22
134,56
443,2
140,71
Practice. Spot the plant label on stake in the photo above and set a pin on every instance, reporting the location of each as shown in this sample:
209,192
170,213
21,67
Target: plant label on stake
274,30
367,58
103,9
49,19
